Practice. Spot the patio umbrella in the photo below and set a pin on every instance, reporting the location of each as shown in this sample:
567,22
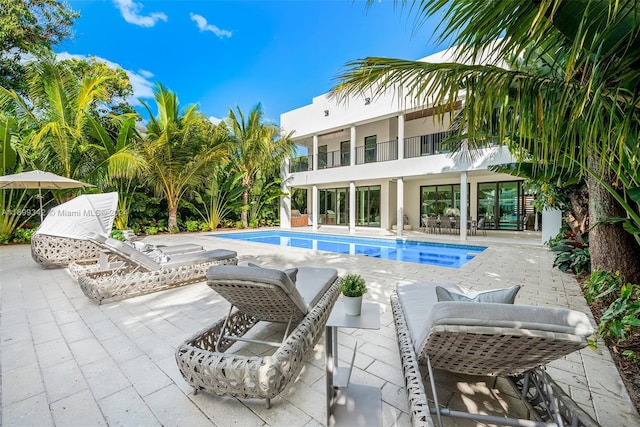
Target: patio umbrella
39,179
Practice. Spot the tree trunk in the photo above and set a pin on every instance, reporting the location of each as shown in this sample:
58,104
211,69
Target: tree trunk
612,248
173,217
578,218
245,208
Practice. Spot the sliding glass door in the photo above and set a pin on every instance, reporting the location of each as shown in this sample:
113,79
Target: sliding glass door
500,205
368,206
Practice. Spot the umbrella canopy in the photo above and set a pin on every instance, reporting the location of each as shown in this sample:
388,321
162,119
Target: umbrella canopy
39,179
77,218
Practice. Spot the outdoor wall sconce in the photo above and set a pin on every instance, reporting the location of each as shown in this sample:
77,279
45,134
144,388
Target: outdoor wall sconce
326,113
367,101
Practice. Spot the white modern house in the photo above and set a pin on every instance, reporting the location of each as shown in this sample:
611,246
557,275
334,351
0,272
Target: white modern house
380,163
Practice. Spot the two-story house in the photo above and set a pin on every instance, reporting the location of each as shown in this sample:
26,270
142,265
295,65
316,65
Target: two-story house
381,163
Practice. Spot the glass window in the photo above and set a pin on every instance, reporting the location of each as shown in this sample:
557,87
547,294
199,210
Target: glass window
322,156
345,154
440,200
370,155
368,206
500,205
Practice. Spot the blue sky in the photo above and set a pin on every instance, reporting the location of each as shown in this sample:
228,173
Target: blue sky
220,54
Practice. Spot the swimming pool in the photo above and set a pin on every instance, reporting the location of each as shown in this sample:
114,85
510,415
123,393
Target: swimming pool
444,255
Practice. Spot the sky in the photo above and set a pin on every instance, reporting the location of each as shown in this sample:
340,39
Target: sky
223,54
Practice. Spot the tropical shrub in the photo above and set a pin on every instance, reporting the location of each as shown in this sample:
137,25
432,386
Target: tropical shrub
220,197
151,230
602,286
23,235
118,235
572,255
192,225
620,322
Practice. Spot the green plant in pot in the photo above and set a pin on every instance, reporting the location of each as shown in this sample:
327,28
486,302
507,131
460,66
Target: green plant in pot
353,287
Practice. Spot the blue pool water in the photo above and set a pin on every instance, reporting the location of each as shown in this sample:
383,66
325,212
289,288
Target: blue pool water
443,255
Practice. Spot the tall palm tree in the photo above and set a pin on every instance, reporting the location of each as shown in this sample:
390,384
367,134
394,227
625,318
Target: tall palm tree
257,147
58,106
571,97
179,148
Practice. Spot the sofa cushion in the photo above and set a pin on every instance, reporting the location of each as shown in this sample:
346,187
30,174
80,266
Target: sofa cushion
503,296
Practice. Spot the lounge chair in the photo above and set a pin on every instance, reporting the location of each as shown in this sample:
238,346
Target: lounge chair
479,338
139,274
208,360
107,260
62,236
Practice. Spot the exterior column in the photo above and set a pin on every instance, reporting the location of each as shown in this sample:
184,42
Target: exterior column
400,136
352,146
285,201
315,152
352,207
400,202
464,200
314,207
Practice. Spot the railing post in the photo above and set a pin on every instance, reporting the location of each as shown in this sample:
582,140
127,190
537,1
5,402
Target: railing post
400,147
315,152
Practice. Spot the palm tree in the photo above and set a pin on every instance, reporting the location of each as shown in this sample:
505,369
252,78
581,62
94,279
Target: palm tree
179,149
257,148
571,97
58,107
121,160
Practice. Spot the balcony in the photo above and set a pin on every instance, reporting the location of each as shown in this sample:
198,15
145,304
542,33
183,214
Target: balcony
424,145
380,152
414,146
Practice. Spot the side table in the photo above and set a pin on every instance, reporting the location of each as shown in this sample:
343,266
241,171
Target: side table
350,404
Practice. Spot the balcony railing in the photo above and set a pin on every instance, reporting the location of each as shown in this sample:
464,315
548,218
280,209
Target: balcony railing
301,164
381,152
424,145
332,159
414,146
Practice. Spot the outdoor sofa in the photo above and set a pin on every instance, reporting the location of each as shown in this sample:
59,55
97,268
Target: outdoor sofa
302,298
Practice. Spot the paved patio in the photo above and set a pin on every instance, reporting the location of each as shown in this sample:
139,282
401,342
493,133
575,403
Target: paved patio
67,361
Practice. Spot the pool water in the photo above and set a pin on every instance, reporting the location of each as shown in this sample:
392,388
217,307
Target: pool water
444,255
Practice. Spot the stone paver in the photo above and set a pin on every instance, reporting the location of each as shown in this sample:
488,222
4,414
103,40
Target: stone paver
67,361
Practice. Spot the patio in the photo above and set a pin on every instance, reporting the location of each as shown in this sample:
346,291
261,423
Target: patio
67,361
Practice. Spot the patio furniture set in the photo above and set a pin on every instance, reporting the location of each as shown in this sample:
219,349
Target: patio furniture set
439,327
436,224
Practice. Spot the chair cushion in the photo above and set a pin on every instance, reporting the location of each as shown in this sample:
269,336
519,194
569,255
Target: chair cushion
291,272
504,296
261,275
417,299
199,257
311,283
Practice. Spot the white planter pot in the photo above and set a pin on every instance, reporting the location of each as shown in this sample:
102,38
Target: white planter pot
352,305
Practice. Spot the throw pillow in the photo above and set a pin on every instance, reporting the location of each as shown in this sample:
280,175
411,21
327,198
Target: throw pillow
504,296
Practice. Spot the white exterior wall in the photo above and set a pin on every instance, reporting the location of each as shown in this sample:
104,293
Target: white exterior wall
331,122
426,125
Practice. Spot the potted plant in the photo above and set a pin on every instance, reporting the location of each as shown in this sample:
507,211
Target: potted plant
353,287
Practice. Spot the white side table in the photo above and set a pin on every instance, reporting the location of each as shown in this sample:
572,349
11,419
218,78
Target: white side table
350,404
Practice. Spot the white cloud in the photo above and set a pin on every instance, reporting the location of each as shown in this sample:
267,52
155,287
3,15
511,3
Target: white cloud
214,120
201,23
129,10
142,86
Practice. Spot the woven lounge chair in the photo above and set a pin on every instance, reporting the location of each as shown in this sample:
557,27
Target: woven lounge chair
207,360
478,338
108,261
139,274
62,236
